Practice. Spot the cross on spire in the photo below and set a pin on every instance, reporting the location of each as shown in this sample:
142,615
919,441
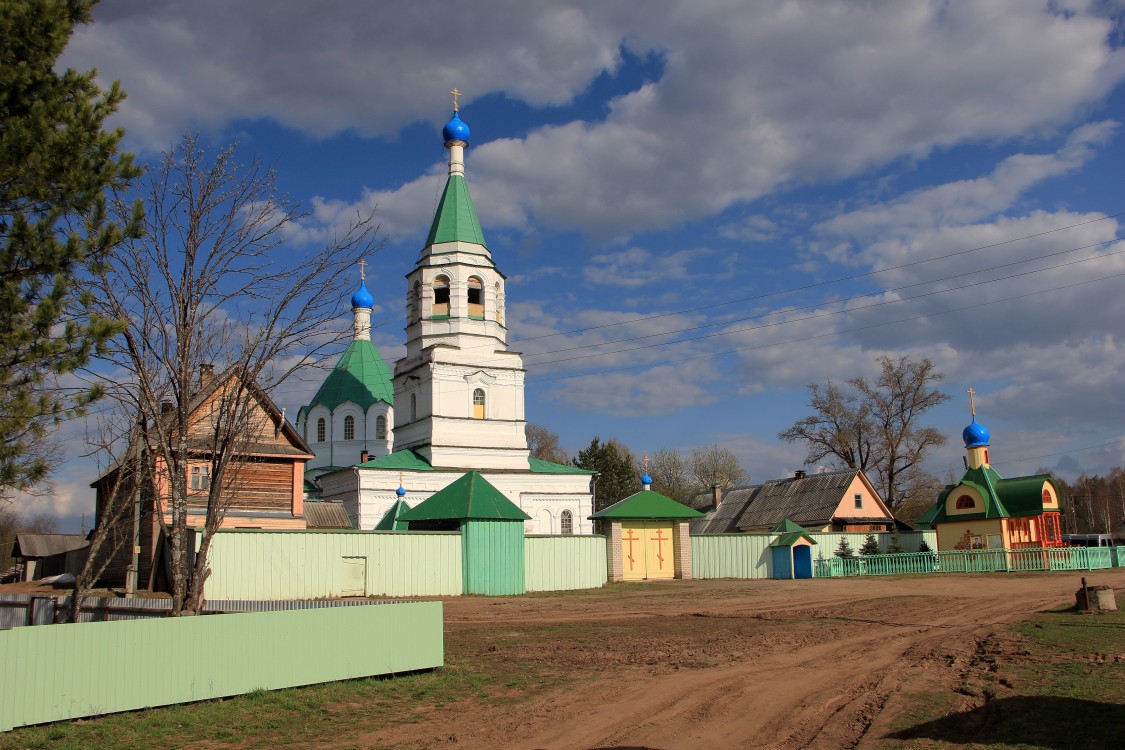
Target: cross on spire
972,405
362,263
456,93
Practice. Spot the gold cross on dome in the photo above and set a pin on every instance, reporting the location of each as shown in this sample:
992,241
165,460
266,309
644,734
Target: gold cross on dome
362,263
456,93
972,406
644,461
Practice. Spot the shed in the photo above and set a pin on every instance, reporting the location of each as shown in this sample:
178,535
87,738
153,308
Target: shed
44,555
491,529
648,537
791,551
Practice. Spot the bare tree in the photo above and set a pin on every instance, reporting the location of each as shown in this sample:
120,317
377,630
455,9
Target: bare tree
670,475
544,444
876,427
715,465
213,282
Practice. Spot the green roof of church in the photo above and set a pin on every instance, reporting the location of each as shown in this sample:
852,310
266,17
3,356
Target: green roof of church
539,466
360,376
470,497
647,504
404,460
1003,498
456,219
392,519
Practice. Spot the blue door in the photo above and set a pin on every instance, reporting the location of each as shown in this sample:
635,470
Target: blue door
782,567
802,561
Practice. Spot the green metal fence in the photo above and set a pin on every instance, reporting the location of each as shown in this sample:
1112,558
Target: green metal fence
55,672
557,563
969,561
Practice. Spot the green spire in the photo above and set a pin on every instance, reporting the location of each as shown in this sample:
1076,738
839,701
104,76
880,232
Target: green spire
456,219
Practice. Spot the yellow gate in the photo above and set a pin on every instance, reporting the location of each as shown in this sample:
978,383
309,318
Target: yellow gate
646,550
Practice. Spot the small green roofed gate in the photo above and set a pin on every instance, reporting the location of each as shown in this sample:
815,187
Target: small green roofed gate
792,551
491,529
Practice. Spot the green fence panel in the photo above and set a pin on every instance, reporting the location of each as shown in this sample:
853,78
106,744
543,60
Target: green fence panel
252,564
1119,557
558,563
55,672
828,541
493,557
731,556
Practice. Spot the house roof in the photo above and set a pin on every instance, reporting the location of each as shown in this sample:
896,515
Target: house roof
1003,498
391,520
810,500
456,218
326,514
470,497
46,545
723,519
360,376
647,504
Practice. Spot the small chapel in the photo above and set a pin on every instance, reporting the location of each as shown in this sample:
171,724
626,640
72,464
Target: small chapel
455,402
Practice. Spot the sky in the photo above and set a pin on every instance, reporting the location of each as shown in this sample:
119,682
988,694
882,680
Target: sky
703,206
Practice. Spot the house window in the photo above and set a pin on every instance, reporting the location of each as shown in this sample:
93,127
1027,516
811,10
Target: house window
349,427
380,427
566,523
476,298
201,478
320,430
441,297
965,503
478,404
858,500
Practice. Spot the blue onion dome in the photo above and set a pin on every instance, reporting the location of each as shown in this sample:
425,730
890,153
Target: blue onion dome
455,129
362,298
401,491
646,479
975,435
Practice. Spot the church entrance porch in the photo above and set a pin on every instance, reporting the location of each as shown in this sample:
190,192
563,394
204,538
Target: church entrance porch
647,550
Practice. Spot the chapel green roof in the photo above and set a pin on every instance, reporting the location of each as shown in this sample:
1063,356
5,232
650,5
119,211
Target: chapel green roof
392,519
470,497
360,376
455,219
1003,498
647,504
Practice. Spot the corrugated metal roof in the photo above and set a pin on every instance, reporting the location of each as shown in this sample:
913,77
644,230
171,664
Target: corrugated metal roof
326,514
648,504
724,519
45,545
810,500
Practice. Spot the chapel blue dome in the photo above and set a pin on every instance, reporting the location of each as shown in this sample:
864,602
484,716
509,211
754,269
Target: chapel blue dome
401,491
455,129
362,298
646,479
975,435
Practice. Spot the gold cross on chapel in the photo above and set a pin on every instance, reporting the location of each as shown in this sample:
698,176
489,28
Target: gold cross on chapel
972,406
362,263
456,93
644,461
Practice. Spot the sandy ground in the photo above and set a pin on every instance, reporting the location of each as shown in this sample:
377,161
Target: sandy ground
728,664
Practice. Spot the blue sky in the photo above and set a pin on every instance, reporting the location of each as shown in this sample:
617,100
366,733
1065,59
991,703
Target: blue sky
723,201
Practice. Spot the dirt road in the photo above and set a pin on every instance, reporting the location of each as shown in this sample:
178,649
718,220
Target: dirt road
725,664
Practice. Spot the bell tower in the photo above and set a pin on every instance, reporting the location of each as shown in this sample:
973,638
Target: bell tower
459,391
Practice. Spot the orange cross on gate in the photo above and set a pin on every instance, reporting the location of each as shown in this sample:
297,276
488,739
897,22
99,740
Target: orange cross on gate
659,539
630,539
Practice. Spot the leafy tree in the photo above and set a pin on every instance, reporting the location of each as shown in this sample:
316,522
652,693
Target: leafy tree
670,476
544,444
57,164
617,474
212,282
870,545
715,465
844,549
876,426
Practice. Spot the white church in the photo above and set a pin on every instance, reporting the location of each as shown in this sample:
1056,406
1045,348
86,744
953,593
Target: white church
456,400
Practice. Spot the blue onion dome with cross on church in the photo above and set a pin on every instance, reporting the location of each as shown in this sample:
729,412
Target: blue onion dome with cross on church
975,435
362,297
456,129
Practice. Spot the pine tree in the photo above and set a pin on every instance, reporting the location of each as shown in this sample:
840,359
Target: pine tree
845,550
870,546
56,166
616,467
923,547
895,545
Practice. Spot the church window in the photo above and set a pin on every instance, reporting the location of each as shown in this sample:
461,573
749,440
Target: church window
965,503
320,432
413,406
566,522
441,297
381,427
349,427
478,404
476,298
1046,497
201,478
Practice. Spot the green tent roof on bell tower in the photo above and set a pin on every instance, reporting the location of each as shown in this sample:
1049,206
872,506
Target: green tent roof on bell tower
456,219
